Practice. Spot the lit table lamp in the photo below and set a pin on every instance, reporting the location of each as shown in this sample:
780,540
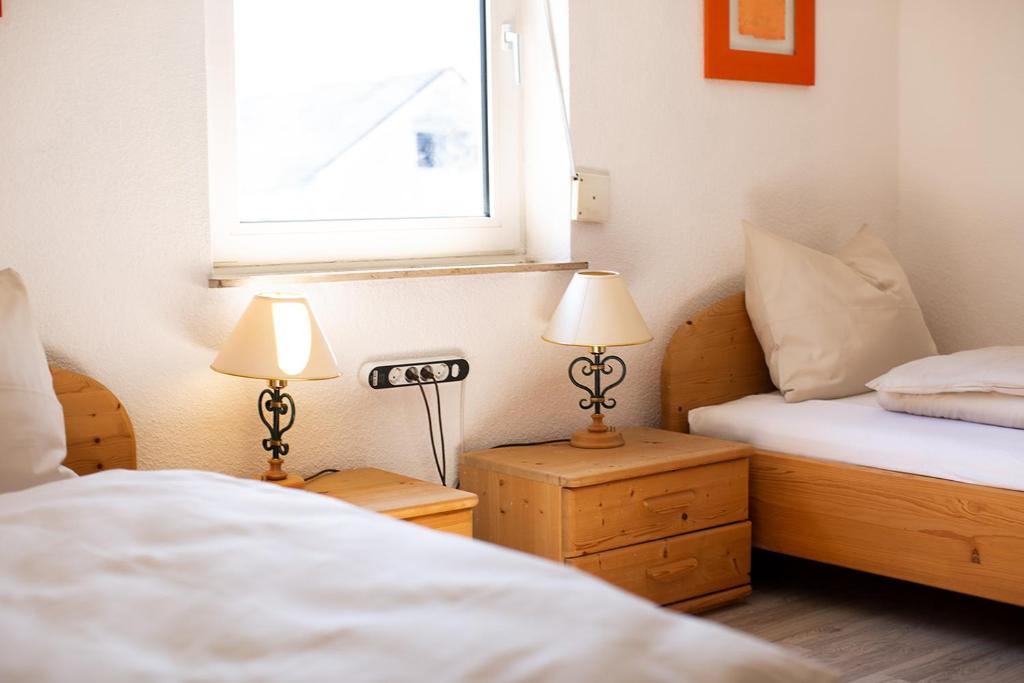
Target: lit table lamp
597,311
277,339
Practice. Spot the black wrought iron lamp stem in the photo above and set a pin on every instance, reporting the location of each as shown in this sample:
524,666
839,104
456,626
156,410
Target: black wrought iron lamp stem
274,405
597,366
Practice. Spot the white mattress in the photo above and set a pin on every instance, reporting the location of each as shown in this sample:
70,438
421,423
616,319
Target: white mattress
175,576
856,430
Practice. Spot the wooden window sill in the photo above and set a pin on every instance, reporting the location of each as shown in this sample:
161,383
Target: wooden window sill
224,276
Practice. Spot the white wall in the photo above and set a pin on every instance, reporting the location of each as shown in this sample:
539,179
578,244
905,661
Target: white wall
690,158
962,167
103,209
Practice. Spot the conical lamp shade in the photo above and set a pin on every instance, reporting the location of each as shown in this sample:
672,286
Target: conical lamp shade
597,310
277,338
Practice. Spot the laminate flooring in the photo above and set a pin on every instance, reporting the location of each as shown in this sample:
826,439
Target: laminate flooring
877,630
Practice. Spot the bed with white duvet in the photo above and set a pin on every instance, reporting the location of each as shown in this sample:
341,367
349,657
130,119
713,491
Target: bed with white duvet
176,575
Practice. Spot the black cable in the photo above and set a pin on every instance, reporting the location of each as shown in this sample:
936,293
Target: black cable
430,426
531,443
321,473
440,428
428,374
412,376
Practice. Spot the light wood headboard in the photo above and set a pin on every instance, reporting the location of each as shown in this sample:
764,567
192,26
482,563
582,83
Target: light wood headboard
99,432
712,358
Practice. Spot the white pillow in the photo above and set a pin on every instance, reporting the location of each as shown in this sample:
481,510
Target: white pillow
31,417
997,369
828,324
989,408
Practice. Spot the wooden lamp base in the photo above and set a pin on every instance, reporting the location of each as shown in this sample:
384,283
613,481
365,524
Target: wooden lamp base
275,474
292,481
597,435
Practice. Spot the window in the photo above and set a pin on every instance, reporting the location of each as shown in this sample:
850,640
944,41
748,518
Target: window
346,130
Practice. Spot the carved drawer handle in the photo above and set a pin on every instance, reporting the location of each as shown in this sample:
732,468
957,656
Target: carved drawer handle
671,502
673,571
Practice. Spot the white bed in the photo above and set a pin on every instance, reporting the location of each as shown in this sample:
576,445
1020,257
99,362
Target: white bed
857,431
174,575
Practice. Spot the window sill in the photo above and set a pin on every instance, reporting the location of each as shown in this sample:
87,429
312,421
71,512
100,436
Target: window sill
224,276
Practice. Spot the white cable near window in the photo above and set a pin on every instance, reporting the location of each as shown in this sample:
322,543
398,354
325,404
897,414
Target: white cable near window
561,88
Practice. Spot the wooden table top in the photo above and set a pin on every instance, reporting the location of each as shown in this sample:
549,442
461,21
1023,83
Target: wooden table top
391,494
647,451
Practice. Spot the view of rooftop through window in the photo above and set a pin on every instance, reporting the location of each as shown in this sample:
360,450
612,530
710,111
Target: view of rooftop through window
360,110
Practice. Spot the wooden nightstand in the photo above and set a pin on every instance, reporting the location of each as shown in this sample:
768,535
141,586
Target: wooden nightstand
664,516
420,502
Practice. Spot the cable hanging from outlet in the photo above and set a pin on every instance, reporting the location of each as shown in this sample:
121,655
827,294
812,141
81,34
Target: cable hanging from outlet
440,461
440,429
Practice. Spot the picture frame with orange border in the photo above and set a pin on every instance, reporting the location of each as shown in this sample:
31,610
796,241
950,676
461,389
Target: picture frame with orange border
768,41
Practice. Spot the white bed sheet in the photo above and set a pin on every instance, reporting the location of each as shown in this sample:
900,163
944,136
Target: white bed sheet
174,576
858,431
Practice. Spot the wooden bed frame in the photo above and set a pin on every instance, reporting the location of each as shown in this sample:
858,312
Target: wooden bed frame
962,537
99,432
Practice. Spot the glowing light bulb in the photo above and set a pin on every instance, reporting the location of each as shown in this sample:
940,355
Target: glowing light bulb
293,335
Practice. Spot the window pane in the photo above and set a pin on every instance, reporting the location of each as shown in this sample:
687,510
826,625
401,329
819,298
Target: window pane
359,109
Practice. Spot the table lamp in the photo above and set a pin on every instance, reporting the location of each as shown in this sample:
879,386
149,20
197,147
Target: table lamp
597,311
277,339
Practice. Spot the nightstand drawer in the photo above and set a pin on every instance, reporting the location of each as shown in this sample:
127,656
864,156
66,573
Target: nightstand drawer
459,522
631,511
678,568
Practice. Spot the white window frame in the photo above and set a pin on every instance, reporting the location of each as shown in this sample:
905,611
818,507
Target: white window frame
405,240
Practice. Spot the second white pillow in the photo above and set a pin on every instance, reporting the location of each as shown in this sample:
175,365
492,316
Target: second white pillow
998,369
988,408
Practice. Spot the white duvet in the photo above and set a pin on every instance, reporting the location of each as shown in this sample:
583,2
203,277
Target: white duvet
188,576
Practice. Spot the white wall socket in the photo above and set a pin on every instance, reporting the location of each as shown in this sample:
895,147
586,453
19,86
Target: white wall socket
591,197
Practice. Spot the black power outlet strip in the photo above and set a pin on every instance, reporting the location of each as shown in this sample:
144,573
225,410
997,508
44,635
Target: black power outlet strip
395,375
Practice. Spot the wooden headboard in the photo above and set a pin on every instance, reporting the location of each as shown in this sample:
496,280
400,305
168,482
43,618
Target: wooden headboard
714,357
99,432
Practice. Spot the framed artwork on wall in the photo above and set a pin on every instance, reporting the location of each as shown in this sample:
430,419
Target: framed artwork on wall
770,41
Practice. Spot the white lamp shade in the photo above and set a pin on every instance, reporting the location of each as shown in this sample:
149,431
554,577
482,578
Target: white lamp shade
597,310
277,338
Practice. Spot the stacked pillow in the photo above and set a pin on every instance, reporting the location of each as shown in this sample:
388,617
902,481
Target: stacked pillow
983,385
828,324
31,417
831,325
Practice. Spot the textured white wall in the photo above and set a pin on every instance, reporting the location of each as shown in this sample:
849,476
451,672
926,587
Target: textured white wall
962,167
103,209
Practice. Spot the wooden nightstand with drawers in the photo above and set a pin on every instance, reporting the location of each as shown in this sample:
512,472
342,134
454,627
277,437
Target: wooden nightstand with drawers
664,516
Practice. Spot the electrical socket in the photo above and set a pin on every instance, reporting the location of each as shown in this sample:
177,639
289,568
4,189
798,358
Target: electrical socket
442,371
393,374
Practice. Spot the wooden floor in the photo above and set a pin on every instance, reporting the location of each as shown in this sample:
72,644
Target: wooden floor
877,630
